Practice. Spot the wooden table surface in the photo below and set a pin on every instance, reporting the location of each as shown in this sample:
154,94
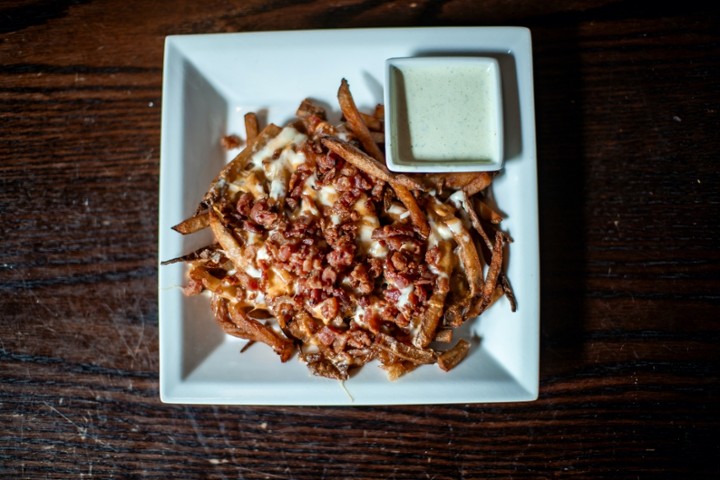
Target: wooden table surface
628,128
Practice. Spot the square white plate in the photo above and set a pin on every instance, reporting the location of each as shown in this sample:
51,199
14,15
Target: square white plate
209,82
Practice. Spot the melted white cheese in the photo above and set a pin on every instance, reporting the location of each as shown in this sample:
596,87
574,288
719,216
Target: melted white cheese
253,238
262,254
307,206
455,227
404,297
397,212
279,169
288,136
327,195
249,183
359,315
308,201
259,299
444,232
377,251
439,237
253,272
278,188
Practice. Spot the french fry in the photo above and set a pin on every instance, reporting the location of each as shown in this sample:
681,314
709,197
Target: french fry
249,344
379,112
229,243
451,358
493,272
481,181
488,213
508,291
402,351
251,126
456,312
210,282
468,254
234,322
467,204
322,367
193,224
367,164
372,122
444,335
416,215
464,205
237,164
360,129
400,183
230,142
454,180
378,137
398,369
309,108
198,255
358,158
429,322
431,319
356,123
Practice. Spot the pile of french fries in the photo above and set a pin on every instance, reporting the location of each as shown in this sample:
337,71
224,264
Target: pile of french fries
453,248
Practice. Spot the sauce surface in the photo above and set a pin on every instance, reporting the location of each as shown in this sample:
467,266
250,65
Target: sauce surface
446,112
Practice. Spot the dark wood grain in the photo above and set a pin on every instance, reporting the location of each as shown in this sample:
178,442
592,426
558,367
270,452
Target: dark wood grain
627,105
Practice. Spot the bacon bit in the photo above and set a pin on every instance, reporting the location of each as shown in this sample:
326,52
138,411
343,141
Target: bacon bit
326,336
358,339
251,226
373,322
329,276
329,308
230,142
244,204
392,294
321,366
342,256
387,312
375,267
262,215
399,261
360,280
